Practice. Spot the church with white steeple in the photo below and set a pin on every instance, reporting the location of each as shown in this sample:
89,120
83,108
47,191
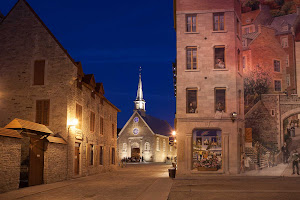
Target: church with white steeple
145,137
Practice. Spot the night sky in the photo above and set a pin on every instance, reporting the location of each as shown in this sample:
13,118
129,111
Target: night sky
112,39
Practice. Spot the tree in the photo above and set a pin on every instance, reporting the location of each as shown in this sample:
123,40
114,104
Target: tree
255,84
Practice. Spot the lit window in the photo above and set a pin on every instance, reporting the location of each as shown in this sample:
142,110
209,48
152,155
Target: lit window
191,21
277,85
220,104
219,21
191,58
147,146
191,100
276,65
157,144
220,57
124,147
164,145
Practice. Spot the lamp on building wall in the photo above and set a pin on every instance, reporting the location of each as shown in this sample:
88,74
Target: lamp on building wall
233,116
174,133
72,122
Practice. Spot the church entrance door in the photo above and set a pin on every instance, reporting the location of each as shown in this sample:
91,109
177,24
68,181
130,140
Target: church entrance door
135,154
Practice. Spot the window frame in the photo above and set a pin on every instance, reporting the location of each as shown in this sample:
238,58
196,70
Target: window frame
79,118
92,121
157,144
279,80
277,60
101,153
192,49
225,101
101,125
191,25
188,102
42,113
224,58
219,14
37,79
91,161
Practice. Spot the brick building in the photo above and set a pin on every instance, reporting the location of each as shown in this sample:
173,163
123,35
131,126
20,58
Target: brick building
209,101
40,82
144,135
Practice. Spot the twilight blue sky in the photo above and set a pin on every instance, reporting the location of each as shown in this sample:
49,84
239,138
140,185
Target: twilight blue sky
112,39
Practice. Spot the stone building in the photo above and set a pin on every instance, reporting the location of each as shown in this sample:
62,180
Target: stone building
262,53
40,82
209,102
144,135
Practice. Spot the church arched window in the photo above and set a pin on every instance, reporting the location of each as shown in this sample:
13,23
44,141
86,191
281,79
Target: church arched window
157,144
164,145
147,146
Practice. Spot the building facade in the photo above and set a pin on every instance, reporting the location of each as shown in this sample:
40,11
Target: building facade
40,82
145,137
209,102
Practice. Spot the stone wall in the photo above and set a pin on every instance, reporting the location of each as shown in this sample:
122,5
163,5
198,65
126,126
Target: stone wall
10,156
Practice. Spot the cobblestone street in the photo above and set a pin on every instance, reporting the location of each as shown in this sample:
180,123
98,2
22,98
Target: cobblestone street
136,181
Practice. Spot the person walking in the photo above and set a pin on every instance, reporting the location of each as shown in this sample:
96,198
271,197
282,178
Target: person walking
285,153
247,162
295,160
242,168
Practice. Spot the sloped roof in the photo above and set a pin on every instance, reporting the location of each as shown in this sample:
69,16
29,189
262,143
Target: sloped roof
89,79
10,133
100,88
28,125
251,16
279,22
58,140
158,126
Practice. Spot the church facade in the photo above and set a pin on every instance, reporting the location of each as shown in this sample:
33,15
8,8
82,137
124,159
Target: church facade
145,136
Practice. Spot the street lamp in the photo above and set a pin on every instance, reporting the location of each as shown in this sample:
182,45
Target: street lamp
174,133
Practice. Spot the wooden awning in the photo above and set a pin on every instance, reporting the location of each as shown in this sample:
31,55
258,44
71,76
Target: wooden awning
10,133
58,140
20,124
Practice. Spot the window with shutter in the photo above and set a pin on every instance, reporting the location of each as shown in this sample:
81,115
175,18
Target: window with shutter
79,116
101,155
92,122
39,72
101,126
42,112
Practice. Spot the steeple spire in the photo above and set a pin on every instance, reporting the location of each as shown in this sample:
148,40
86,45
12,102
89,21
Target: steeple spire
139,102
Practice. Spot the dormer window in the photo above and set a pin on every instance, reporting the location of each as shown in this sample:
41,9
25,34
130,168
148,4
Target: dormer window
79,84
93,94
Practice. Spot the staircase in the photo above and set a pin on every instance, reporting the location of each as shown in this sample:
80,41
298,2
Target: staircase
258,159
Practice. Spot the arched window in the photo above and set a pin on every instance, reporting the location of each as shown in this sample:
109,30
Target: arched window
164,145
147,146
124,147
157,144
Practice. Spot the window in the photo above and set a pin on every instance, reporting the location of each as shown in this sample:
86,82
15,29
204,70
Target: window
284,42
101,101
101,155
191,58
277,85
247,30
276,65
191,100
220,57
147,146
157,144
92,122
113,130
219,21
79,116
288,80
244,62
124,147
287,61
91,154
164,145
272,112
191,21
113,156
39,72
42,112
239,59
220,104
101,126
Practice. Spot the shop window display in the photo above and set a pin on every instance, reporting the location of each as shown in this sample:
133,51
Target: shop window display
207,150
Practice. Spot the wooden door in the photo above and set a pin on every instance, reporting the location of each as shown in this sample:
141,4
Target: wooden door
76,158
36,162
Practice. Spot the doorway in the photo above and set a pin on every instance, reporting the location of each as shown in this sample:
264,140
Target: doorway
135,154
76,158
36,162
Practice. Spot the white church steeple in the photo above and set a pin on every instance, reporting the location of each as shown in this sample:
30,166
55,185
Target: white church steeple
140,103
